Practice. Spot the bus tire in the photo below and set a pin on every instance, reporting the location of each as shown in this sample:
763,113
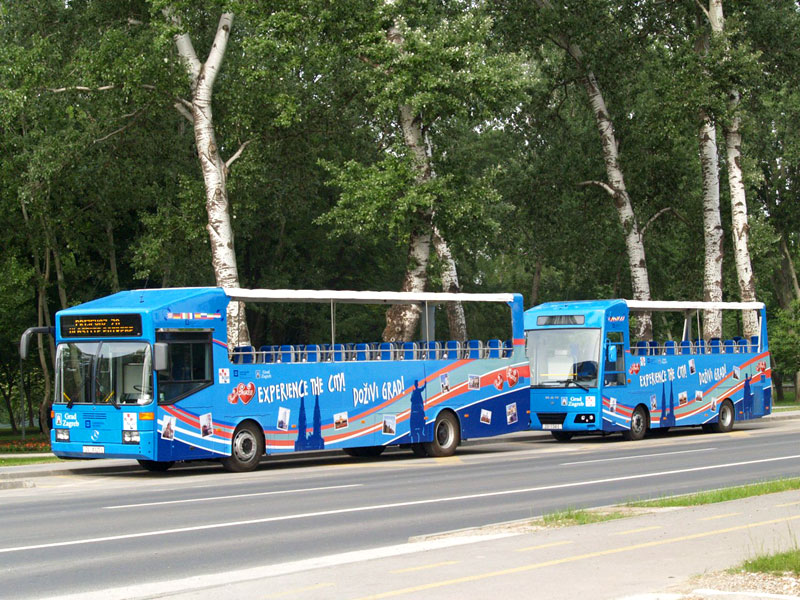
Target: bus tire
156,466
247,446
365,451
725,418
639,420
561,436
446,435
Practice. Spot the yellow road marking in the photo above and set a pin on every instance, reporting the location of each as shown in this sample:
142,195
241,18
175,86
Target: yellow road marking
569,559
540,546
651,528
300,590
787,504
719,516
422,568
448,460
739,434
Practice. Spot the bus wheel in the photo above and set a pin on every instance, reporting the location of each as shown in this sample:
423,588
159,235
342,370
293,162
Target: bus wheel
156,466
638,428
247,446
365,451
725,419
561,436
446,436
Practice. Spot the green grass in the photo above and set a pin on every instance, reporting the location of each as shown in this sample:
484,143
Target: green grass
569,517
723,495
15,462
780,563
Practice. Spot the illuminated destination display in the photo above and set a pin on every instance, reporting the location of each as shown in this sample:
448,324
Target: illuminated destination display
101,326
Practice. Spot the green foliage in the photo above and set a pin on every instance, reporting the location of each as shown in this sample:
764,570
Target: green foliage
784,339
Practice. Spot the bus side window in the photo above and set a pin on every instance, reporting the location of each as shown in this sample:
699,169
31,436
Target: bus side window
190,367
614,371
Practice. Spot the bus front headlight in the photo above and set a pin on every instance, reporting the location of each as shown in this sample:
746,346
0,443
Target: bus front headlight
130,437
62,435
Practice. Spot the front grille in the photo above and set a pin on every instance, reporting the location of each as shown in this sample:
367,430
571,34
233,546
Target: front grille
551,418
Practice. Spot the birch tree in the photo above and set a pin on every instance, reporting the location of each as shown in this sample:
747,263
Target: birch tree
614,186
733,144
198,111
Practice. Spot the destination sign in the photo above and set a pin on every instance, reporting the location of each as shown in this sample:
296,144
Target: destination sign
94,326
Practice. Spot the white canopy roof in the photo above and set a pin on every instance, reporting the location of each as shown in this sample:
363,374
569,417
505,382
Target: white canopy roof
359,297
650,305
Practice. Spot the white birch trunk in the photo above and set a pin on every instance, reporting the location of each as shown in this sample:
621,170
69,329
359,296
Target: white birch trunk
712,228
220,231
739,224
402,320
634,244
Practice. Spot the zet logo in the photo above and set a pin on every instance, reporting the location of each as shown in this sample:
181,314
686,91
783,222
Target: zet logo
618,319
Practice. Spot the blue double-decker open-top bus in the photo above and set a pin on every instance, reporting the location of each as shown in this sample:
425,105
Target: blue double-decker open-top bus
149,375
588,376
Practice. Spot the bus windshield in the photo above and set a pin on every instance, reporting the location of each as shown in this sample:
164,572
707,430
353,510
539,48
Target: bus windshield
563,357
104,373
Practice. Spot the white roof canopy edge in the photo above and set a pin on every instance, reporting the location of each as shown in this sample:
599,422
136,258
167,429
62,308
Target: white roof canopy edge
359,297
649,305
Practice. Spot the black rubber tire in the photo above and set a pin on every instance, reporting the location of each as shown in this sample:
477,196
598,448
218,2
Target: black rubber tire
247,447
365,451
446,436
639,421
419,450
561,436
156,466
725,418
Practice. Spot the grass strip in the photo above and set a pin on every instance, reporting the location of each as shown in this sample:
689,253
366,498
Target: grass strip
723,495
780,563
32,460
569,517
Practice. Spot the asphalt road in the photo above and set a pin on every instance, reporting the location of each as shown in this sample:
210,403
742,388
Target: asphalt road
80,533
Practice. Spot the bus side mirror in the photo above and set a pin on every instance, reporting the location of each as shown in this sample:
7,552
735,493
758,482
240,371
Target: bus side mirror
612,353
25,340
161,357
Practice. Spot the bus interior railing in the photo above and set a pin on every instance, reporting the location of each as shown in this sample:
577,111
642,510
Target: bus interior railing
309,353
698,346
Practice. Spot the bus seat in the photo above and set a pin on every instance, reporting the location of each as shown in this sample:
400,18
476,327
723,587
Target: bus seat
452,350
669,347
754,343
474,349
508,349
495,347
641,348
287,354
312,353
742,345
386,351
700,346
686,347
362,351
714,345
338,352
409,350
730,346
431,350
265,353
245,354
653,347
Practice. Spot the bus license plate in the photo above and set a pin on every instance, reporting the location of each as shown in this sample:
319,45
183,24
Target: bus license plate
94,450
551,426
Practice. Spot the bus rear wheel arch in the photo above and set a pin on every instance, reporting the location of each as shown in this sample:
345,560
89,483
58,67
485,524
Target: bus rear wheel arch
446,435
247,447
639,424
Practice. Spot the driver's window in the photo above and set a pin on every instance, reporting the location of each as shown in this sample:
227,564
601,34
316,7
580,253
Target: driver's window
190,365
615,371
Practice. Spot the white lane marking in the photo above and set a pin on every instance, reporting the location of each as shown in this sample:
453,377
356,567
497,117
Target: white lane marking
273,493
198,582
354,509
584,462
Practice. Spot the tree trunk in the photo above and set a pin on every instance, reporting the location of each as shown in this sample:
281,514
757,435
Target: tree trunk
112,257
537,281
637,263
402,320
712,228
740,227
220,231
